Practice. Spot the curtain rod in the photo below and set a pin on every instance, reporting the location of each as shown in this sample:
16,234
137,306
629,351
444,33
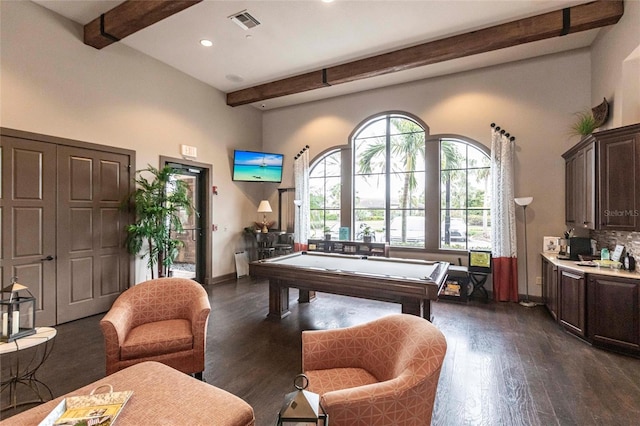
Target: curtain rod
503,132
306,147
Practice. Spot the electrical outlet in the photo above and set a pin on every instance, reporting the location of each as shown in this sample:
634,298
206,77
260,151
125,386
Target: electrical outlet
538,280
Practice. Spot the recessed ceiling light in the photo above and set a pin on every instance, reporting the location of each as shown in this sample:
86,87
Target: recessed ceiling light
327,1
206,43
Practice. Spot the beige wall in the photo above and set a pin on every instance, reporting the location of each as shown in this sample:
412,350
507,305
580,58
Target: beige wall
615,67
534,100
54,84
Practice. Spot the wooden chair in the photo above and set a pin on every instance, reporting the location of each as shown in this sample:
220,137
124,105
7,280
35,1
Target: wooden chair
265,242
384,372
284,245
162,320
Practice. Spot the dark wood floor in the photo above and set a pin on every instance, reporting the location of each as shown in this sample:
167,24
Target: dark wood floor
505,364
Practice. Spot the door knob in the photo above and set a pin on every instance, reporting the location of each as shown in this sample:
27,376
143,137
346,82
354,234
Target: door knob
47,258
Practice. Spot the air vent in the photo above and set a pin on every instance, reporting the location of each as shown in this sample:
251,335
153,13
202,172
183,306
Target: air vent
244,20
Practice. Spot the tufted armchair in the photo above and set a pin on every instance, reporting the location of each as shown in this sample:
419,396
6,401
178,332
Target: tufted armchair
162,320
384,372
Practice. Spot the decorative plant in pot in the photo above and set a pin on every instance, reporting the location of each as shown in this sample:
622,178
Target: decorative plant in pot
584,125
157,203
327,233
366,232
589,120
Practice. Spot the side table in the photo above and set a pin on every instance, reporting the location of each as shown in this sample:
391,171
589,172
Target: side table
17,369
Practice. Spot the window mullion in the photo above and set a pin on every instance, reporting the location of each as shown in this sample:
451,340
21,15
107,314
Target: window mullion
387,207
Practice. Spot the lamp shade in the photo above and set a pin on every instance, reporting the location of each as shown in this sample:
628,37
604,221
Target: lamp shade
264,207
521,201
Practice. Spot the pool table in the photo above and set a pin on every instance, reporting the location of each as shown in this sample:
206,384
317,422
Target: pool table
413,283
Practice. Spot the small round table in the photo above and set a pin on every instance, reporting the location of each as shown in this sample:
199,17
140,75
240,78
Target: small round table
22,369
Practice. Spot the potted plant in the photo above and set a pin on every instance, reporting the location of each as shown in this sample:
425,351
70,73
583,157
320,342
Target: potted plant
327,233
157,203
366,232
584,125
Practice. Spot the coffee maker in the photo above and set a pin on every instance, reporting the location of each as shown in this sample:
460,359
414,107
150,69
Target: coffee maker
573,247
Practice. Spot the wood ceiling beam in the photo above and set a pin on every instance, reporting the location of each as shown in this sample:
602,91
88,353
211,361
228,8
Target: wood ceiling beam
548,25
130,17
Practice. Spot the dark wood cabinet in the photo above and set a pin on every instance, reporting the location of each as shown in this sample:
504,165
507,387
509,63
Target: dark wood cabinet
550,287
580,184
572,298
602,180
614,313
601,308
619,178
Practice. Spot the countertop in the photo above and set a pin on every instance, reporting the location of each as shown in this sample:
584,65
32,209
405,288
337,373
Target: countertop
572,264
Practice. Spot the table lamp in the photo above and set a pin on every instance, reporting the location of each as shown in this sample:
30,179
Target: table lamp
524,202
264,208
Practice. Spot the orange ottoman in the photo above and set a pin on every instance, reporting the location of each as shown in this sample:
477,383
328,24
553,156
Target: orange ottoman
161,396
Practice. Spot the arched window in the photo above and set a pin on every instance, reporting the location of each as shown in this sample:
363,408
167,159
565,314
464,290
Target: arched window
405,186
389,178
465,196
324,189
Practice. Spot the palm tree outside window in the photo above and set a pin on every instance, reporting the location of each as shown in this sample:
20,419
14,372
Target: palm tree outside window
411,189
465,196
389,179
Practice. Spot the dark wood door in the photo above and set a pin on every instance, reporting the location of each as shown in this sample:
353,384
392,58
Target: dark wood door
27,216
572,292
93,265
619,192
614,312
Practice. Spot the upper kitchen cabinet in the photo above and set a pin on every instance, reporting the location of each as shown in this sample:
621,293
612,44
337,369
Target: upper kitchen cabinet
619,178
602,181
580,184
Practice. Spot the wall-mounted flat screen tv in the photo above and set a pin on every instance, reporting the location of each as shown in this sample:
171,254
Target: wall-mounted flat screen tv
252,166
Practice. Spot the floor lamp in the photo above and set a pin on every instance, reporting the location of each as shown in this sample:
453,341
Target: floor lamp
524,202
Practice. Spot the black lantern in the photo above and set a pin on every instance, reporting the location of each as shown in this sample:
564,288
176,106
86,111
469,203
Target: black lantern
18,313
301,406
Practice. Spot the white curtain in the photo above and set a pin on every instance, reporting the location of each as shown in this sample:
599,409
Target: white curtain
503,229
301,179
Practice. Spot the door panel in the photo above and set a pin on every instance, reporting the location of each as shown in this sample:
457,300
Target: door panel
28,221
93,263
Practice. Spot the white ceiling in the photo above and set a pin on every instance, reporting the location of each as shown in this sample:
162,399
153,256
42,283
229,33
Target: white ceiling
298,36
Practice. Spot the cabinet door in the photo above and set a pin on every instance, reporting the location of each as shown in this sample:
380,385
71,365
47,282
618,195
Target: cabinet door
589,192
572,293
614,310
570,191
580,185
619,162
550,287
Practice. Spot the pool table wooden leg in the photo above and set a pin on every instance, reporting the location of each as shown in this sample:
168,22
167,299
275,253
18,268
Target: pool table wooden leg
278,300
418,307
306,296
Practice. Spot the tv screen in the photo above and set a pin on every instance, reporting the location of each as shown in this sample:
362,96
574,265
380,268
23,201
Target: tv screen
252,166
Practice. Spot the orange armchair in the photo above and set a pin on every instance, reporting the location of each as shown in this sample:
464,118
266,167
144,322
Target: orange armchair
162,320
384,372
